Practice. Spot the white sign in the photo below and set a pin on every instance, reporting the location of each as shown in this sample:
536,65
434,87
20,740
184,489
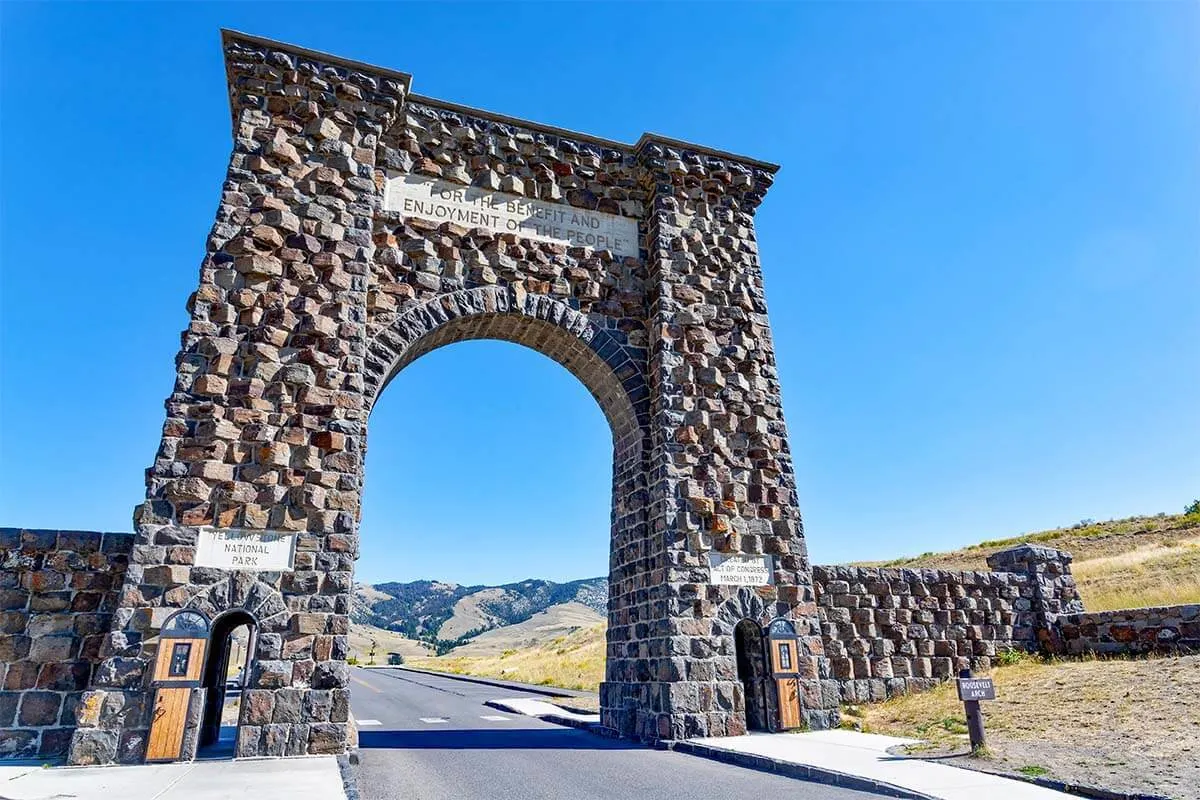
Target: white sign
740,570
229,548
472,207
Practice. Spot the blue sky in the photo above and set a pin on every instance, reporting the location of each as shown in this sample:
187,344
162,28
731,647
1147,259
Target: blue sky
981,260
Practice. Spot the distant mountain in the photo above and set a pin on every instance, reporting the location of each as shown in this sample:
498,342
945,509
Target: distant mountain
448,614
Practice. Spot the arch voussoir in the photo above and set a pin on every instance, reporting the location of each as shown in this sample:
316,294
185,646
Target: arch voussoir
542,323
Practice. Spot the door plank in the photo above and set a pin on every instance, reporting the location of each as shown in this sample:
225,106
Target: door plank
166,729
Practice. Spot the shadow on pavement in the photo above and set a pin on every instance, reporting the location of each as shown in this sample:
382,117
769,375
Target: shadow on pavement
564,739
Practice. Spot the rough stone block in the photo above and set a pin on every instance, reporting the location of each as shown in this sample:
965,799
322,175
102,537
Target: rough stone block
39,709
328,738
52,648
18,744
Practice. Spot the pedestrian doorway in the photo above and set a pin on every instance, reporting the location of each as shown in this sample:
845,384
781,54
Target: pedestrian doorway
226,674
752,672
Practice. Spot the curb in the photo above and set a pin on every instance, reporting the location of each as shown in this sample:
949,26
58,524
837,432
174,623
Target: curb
802,772
1077,789
349,781
498,683
566,722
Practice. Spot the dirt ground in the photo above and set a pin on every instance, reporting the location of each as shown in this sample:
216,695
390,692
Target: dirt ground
1125,725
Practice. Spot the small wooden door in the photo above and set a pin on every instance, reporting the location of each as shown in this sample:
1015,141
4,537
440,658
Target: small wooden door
166,727
785,657
177,667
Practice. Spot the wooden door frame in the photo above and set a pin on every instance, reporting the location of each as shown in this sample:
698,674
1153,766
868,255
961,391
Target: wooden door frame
181,686
782,631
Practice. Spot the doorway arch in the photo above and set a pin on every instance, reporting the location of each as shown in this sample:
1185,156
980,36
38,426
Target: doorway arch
216,682
752,672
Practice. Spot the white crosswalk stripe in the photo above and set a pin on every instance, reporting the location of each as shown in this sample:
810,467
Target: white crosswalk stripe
434,720
365,723
494,718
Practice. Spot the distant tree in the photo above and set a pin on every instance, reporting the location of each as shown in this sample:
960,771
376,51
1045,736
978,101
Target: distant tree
1193,507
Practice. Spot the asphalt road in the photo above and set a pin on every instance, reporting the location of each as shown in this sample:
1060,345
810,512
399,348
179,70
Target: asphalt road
435,739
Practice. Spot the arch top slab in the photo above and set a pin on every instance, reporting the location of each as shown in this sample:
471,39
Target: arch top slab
240,48
314,291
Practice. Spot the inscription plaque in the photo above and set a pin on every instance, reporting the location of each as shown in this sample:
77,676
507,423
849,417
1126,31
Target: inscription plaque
473,207
232,548
740,570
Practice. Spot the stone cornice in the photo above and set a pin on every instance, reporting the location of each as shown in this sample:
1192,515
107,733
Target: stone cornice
230,36
647,140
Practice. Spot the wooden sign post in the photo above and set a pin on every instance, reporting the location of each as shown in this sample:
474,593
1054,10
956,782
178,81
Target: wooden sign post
971,691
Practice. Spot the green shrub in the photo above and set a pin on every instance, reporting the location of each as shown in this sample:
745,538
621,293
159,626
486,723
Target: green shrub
1009,657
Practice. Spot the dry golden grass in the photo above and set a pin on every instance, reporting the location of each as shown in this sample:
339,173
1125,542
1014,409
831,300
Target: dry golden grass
1093,540
365,638
1163,575
574,661
1128,563
1095,721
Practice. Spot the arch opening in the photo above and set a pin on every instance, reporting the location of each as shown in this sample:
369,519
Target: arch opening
227,666
750,649
612,371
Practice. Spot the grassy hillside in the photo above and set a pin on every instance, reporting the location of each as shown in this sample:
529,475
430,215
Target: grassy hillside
447,614
365,638
572,661
548,626
1126,563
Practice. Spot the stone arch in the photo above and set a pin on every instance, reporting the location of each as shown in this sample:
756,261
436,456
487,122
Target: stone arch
244,592
610,371
742,604
315,291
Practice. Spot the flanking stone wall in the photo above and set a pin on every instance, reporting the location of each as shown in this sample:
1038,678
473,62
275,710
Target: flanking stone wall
1161,629
58,590
894,631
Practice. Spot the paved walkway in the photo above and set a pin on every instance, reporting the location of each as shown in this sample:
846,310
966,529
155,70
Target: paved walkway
315,777
861,755
865,755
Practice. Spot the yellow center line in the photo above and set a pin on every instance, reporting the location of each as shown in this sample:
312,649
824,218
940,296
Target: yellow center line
361,682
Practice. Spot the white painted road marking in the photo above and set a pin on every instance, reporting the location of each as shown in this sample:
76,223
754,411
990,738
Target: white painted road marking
362,723
434,719
494,718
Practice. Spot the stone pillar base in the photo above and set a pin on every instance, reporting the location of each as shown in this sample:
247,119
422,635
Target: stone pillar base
113,728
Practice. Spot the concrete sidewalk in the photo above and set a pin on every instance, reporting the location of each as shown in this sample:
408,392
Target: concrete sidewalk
864,756
312,777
